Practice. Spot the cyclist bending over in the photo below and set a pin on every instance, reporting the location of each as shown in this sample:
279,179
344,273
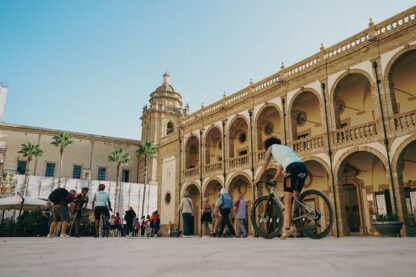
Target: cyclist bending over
294,177
99,205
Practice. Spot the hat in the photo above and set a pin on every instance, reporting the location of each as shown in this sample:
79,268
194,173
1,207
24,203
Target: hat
222,191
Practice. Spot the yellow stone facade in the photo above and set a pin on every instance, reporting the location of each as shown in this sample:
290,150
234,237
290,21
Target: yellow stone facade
349,111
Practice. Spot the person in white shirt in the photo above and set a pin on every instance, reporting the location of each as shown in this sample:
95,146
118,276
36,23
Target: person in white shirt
295,173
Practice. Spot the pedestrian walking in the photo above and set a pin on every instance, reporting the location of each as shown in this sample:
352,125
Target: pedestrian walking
186,208
240,211
224,203
129,217
206,219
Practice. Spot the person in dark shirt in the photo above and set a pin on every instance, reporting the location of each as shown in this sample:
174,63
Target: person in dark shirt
129,216
81,203
60,213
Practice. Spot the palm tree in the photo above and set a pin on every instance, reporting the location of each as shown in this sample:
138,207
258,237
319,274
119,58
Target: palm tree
62,140
29,150
120,157
147,150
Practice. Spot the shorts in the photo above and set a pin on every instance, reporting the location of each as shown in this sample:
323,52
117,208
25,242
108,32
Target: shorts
296,173
99,210
60,213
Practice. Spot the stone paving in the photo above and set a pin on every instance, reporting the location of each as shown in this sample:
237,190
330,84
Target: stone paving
207,257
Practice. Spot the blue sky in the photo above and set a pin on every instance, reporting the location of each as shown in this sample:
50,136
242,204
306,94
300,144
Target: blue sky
89,66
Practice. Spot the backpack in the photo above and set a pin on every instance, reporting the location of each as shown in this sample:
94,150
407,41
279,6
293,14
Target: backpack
58,195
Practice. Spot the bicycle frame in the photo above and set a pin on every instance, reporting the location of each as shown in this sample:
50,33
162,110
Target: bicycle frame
295,201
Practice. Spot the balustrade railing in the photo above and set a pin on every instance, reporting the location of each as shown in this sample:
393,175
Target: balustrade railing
356,134
209,168
308,144
405,121
191,172
260,155
239,161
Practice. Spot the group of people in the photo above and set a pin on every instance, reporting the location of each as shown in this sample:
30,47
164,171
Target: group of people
71,205
67,209
132,226
216,221
286,161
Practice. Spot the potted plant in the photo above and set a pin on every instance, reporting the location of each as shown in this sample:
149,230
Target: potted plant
411,225
388,225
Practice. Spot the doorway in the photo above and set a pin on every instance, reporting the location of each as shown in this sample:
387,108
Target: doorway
352,209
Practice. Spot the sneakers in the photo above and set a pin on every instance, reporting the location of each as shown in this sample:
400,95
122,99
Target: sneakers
288,232
49,236
64,236
185,236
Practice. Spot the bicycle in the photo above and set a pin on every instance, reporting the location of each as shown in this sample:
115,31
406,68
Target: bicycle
312,214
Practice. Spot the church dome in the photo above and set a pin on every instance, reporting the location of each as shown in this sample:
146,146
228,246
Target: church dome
165,87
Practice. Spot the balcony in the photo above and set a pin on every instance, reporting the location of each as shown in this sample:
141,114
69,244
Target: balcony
309,144
191,172
405,122
237,162
356,134
215,167
260,155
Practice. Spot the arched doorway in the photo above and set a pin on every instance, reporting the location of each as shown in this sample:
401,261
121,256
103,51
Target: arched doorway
239,138
192,157
402,82
406,172
354,108
241,185
211,192
363,191
195,195
306,122
317,178
213,150
268,125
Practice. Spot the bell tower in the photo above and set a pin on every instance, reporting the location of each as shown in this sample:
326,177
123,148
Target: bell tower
161,117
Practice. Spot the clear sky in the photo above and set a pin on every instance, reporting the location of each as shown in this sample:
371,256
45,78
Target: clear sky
90,66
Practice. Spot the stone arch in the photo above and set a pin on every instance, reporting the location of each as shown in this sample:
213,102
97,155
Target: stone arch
210,180
334,95
236,135
187,185
213,147
361,174
211,189
399,151
233,175
309,127
236,118
388,78
240,183
360,148
297,93
192,152
319,176
259,135
195,194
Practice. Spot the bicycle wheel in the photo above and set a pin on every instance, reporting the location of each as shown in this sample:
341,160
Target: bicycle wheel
266,217
314,215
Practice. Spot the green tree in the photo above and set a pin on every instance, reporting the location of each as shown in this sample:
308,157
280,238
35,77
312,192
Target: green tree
146,150
62,140
119,157
29,150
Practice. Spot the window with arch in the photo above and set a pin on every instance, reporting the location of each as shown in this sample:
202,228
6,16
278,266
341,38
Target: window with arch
170,128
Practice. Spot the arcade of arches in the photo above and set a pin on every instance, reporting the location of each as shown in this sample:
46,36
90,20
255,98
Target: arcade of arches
340,113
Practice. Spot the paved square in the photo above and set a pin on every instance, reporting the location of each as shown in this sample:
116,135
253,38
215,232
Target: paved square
207,257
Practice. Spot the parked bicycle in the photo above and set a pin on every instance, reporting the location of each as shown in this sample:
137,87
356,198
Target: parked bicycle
313,214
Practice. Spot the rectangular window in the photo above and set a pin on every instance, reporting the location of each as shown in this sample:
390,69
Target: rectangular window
76,172
101,173
21,167
125,175
50,170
